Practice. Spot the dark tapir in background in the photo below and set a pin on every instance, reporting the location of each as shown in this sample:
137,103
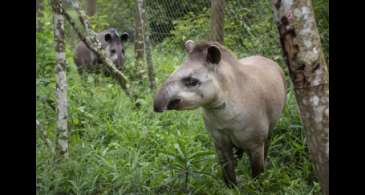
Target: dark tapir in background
241,100
112,42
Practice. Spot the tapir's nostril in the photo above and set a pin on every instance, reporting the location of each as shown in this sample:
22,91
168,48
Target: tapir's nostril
173,104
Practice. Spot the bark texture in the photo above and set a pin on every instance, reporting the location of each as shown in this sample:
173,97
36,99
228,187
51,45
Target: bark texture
90,7
217,21
39,14
94,45
139,40
61,81
301,46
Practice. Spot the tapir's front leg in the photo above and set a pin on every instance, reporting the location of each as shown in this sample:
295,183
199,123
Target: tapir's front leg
224,149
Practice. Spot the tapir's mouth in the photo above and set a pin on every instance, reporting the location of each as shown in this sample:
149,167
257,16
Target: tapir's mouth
173,104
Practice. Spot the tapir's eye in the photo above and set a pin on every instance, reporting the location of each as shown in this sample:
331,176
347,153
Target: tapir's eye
191,82
113,51
123,51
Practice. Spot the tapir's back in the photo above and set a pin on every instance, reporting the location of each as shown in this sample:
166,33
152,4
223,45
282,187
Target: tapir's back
268,77
84,58
266,69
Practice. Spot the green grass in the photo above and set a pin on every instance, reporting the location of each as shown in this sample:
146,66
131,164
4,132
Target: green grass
117,150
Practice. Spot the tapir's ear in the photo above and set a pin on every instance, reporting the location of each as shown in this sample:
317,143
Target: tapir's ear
108,37
189,45
124,37
213,55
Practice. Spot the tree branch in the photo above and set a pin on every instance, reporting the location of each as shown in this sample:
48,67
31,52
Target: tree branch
44,135
94,45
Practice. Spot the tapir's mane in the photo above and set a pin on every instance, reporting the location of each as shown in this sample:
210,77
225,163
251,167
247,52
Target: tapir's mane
227,54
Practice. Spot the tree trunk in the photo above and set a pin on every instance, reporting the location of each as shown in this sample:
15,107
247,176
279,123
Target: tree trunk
90,7
151,71
40,9
139,41
217,21
301,46
61,81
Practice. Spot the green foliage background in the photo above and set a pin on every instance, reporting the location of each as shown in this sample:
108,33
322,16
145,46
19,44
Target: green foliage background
117,150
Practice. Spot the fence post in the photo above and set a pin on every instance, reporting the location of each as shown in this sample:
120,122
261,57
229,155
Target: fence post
139,41
150,68
40,10
91,7
217,21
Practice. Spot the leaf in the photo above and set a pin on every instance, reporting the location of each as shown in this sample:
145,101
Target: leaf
174,156
199,154
178,149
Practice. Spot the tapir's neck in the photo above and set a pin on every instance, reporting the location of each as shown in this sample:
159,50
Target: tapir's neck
217,104
221,110
227,85
220,103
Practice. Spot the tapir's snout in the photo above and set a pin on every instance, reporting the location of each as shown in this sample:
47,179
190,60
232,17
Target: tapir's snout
165,100
157,107
160,101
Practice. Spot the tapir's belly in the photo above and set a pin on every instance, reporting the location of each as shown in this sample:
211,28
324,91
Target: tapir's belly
237,129
233,124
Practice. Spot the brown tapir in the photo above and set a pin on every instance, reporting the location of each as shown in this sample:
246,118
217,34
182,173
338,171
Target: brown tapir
111,41
241,100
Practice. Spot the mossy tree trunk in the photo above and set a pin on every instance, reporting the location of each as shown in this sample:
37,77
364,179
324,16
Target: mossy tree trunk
61,80
301,46
217,21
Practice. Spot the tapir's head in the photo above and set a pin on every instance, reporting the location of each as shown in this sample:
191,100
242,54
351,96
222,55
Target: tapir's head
114,46
194,83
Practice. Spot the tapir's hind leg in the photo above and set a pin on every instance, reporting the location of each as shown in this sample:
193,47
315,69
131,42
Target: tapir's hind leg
238,152
267,145
257,160
83,76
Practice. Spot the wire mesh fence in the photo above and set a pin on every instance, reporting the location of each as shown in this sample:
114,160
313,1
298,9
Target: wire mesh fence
248,25
249,28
